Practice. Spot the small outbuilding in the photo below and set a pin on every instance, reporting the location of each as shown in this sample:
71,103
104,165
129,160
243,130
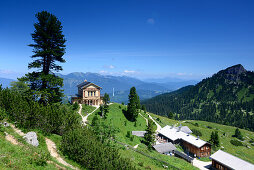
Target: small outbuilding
225,161
165,148
139,133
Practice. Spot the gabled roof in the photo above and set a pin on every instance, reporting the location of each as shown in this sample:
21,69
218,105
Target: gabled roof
231,161
164,147
174,133
87,83
139,133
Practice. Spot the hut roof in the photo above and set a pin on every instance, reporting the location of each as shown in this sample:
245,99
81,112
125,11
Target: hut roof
164,147
231,161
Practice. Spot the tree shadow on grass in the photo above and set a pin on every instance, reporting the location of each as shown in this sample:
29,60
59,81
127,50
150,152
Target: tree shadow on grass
127,116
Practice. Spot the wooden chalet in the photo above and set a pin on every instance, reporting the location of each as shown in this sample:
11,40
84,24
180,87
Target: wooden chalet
224,161
192,145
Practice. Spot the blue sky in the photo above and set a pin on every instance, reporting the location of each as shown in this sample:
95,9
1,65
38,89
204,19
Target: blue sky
187,39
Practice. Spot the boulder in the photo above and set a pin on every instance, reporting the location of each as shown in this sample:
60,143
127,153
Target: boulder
31,138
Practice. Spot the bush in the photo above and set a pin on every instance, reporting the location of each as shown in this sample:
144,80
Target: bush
75,106
209,127
196,132
128,135
30,114
141,164
196,124
40,158
3,114
91,153
236,142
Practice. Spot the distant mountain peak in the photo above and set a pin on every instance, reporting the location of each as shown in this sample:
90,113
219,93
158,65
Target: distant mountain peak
236,69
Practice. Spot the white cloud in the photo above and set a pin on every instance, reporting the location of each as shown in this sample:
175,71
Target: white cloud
109,66
181,74
130,71
103,72
150,21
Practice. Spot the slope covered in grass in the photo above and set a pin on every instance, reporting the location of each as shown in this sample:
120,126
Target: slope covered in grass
117,119
245,152
25,156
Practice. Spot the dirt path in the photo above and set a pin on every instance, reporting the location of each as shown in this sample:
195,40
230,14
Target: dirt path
84,118
158,126
144,118
11,139
50,144
18,131
201,164
136,146
53,152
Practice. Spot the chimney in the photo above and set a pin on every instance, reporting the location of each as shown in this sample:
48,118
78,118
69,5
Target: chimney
197,137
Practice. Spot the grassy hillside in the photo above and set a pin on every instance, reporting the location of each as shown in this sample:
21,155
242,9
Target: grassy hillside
87,109
24,156
225,135
117,119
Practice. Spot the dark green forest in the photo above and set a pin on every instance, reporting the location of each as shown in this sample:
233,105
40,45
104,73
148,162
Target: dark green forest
226,98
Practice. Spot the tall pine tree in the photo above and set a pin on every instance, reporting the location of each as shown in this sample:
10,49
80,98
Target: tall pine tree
132,110
48,48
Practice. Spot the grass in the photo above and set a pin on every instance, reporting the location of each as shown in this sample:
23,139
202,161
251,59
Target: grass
117,119
87,109
22,157
225,135
144,162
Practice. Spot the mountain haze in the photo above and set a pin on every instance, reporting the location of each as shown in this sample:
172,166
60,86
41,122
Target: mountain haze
121,85
5,82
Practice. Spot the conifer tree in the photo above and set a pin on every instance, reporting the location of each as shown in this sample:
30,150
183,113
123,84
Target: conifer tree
48,48
238,134
144,108
106,101
149,136
132,111
216,139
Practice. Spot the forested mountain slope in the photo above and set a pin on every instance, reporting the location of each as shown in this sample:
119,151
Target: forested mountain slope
227,97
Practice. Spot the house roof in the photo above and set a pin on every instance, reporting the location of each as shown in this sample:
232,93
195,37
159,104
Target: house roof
231,161
87,83
174,133
139,133
186,129
164,147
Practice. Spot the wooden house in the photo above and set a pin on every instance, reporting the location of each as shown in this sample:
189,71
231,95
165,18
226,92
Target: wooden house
224,161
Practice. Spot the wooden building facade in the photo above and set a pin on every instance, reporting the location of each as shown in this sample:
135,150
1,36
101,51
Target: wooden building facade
203,151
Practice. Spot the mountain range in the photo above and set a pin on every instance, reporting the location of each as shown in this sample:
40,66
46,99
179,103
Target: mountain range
5,82
121,85
227,98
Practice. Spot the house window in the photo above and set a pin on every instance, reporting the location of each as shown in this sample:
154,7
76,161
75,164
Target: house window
207,147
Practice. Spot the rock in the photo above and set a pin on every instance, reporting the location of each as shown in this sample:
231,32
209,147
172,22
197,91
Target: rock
6,124
31,138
